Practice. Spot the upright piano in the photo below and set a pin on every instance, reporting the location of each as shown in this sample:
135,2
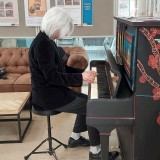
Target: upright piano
126,94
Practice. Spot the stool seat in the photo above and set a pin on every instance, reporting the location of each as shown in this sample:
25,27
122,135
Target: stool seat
42,112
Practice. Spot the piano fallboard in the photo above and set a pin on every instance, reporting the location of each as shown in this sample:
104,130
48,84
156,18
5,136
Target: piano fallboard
117,107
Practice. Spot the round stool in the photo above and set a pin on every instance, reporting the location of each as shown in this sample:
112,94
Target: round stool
51,150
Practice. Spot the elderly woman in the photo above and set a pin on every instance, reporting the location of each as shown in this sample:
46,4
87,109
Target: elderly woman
50,80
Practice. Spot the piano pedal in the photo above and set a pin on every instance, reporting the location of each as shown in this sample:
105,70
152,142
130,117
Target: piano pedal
114,147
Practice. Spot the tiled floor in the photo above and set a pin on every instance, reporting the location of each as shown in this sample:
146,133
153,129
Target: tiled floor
62,127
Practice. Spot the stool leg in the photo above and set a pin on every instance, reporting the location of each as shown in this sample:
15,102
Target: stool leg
51,150
33,152
49,133
49,139
64,145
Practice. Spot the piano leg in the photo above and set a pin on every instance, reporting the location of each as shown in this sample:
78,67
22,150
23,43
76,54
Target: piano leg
104,138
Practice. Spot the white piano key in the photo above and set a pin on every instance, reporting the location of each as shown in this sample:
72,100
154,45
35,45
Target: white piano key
94,89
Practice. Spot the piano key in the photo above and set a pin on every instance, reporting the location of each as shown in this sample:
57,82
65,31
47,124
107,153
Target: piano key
94,94
100,87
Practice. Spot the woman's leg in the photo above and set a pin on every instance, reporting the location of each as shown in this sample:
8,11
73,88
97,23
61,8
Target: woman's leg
78,106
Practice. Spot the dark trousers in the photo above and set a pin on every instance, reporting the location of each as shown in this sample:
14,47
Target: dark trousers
78,106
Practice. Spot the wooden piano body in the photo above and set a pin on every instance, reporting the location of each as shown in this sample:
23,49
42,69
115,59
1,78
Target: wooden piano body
135,112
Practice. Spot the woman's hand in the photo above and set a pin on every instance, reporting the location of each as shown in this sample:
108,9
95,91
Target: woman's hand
89,76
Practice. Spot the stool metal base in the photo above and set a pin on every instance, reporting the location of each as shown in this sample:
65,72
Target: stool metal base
51,150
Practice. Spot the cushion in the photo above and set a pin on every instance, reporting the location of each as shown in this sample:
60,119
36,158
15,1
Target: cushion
6,85
15,60
23,83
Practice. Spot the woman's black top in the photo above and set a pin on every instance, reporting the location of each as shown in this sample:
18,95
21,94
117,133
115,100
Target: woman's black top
50,78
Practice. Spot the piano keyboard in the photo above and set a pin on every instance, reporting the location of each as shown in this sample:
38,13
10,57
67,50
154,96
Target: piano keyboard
100,88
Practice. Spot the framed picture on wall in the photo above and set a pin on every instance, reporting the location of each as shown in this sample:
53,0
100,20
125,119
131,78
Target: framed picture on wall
35,10
73,7
9,15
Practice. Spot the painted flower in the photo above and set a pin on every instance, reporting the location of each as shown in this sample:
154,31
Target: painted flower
152,61
158,45
158,31
142,79
153,32
156,93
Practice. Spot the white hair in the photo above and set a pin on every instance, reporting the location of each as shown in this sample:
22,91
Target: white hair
58,20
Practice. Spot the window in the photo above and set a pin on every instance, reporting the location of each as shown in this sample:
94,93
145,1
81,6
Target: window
137,8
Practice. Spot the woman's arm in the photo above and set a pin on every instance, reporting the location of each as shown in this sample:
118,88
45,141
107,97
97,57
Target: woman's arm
51,66
73,70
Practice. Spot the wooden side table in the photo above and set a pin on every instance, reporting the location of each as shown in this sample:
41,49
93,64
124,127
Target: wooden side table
12,104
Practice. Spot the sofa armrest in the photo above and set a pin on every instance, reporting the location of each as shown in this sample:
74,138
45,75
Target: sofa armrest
78,57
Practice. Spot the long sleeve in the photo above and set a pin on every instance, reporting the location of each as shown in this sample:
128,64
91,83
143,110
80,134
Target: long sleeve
52,67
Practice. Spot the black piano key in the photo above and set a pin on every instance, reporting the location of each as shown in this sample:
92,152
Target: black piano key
102,81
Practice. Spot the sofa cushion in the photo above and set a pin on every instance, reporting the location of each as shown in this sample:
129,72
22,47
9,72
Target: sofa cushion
23,83
6,85
14,60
